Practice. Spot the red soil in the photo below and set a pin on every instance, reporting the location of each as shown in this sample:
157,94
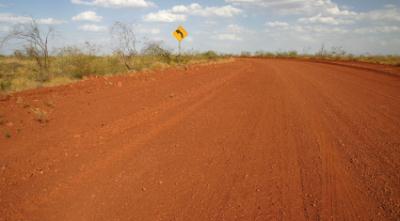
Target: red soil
249,140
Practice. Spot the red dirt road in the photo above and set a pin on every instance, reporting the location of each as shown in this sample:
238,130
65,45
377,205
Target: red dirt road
249,140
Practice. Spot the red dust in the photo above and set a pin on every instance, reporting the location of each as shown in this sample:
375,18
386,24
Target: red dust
249,140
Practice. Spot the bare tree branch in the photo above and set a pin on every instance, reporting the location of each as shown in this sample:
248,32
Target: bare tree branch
124,36
37,42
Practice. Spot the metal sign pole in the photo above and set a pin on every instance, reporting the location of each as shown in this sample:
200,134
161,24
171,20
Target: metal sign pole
180,33
180,48
179,52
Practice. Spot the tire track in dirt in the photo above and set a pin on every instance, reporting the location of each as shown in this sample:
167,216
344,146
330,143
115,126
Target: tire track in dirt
92,141
249,140
320,167
188,102
332,113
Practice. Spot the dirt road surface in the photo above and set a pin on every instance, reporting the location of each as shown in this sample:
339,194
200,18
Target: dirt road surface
248,140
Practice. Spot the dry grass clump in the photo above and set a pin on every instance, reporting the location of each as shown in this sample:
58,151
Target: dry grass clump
19,71
382,59
40,115
334,54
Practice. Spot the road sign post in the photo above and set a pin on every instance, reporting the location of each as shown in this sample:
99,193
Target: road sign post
179,51
180,33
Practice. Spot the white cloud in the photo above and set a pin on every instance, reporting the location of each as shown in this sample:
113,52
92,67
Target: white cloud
115,3
210,22
147,30
11,18
185,9
324,29
93,28
388,13
229,37
180,12
196,9
328,20
234,28
50,21
232,32
323,11
276,27
326,7
4,29
224,11
14,19
87,16
278,24
164,16
152,31
377,30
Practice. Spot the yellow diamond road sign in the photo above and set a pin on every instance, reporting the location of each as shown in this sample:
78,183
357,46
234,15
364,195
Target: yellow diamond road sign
180,33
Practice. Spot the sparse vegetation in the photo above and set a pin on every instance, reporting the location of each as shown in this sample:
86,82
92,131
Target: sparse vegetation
19,71
125,37
334,54
32,65
40,115
211,55
35,42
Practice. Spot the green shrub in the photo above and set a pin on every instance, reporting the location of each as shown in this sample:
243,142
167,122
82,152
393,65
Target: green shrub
210,55
5,84
245,54
292,54
22,83
155,50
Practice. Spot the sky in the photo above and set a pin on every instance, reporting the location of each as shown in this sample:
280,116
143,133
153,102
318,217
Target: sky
229,26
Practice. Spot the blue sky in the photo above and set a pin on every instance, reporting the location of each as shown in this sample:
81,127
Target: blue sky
358,26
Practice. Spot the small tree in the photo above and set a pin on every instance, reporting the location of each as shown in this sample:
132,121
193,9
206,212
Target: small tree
211,55
19,54
245,54
4,39
36,42
125,38
155,49
91,48
322,52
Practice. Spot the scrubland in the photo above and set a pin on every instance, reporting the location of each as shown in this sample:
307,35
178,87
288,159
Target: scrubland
19,71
